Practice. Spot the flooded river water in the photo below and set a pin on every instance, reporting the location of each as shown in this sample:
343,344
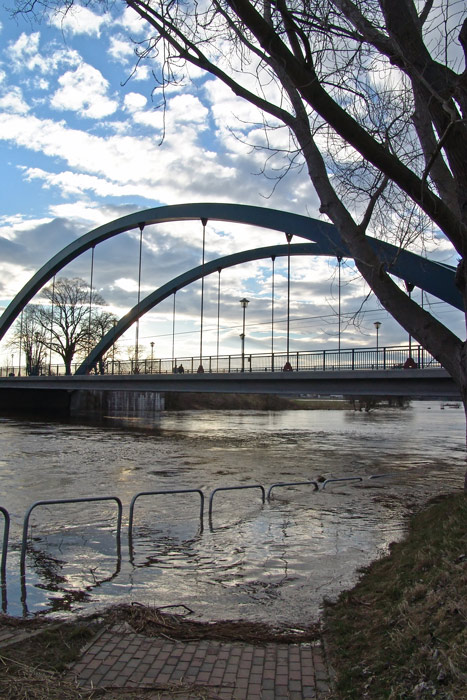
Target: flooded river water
273,562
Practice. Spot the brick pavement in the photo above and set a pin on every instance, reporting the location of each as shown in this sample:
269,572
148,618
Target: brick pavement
120,658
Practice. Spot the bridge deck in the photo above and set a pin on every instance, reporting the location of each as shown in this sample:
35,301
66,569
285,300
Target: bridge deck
417,383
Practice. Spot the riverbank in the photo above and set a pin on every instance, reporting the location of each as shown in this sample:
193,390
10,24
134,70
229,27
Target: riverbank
399,633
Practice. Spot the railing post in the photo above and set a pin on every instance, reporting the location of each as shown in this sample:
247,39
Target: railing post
6,531
297,359
384,358
324,360
229,363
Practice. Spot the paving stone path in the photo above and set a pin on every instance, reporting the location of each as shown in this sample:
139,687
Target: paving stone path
120,658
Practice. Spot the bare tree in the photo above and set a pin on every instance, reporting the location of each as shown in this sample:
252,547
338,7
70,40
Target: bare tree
71,321
29,338
137,356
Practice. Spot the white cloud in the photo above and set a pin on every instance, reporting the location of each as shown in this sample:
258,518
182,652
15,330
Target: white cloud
132,22
187,108
11,225
84,90
14,277
141,72
135,101
13,101
25,53
71,183
78,20
42,84
121,49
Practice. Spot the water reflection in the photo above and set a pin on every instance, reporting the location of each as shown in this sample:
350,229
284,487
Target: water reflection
272,561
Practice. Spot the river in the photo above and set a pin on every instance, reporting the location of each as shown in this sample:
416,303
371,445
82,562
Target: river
273,562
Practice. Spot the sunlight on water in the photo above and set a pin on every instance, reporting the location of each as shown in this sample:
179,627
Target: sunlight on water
274,561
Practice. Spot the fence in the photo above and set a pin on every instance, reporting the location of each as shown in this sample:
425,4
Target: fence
391,357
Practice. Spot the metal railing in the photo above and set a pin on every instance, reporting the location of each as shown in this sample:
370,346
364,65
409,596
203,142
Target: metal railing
162,493
87,499
390,357
291,483
6,532
317,487
235,488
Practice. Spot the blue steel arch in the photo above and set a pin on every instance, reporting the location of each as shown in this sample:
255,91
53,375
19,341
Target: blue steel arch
434,278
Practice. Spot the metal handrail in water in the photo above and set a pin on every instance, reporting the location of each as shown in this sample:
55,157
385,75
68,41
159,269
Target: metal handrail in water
159,493
6,532
87,499
235,488
292,483
347,478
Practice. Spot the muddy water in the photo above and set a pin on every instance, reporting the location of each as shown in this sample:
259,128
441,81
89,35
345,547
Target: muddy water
274,561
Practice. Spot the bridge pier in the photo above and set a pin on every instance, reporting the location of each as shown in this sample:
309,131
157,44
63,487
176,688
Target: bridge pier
30,402
79,402
98,402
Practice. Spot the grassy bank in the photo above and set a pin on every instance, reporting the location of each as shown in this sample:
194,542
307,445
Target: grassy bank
402,631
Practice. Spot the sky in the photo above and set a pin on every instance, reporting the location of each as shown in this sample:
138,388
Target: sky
84,140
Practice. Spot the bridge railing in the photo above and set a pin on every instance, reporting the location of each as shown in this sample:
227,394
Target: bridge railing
391,357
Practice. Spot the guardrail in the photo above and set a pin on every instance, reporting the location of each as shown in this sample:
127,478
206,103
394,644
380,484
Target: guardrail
234,488
161,493
317,486
87,499
390,357
6,532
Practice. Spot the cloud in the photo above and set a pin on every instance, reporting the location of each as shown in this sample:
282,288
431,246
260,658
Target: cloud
84,90
77,19
135,101
24,54
121,50
132,22
12,101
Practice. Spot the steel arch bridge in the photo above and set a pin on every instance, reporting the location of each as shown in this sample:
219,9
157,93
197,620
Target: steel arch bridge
435,278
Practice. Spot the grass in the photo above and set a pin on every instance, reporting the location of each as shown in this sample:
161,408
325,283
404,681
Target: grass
402,631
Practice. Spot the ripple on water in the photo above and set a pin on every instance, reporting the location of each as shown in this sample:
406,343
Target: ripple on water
271,561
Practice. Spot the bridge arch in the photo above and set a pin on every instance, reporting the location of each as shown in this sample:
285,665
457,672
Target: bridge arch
434,278
185,279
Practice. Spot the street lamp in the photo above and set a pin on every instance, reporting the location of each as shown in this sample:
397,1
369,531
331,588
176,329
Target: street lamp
244,303
377,325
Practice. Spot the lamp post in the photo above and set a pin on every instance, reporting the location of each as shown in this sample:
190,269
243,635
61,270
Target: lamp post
377,325
152,354
244,303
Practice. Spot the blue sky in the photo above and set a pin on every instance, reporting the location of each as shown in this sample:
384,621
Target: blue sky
83,141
